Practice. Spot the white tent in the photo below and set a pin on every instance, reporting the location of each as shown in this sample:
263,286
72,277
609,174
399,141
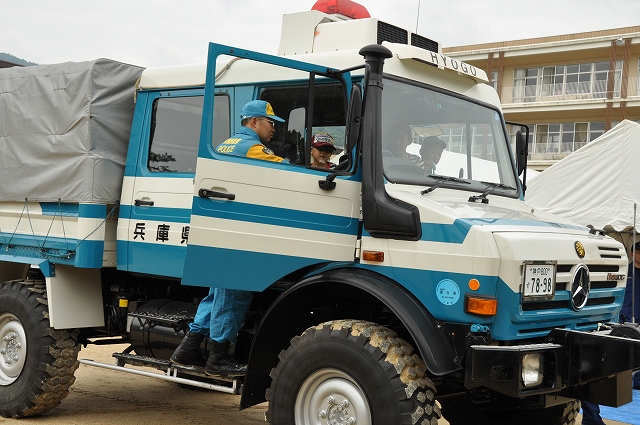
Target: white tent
597,185
532,174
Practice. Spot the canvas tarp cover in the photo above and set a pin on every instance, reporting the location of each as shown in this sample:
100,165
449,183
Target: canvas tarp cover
64,130
596,185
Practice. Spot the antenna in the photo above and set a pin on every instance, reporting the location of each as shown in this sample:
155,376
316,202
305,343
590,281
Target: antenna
418,16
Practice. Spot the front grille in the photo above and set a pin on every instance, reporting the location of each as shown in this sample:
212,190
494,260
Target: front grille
603,268
562,282
553,305
603,284
593,268
610,252
564,268
599,282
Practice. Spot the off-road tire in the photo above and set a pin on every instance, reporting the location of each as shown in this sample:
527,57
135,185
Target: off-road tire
461,411
361,362
46,358
562,414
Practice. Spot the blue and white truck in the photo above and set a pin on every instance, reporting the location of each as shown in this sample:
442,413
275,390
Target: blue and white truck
383,293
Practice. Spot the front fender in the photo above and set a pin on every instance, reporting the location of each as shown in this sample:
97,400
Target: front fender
286,318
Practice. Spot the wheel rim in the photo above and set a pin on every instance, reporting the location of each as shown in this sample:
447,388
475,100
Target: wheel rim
13,348
331,397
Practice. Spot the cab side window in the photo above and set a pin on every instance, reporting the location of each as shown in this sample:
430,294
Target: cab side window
175,132
291,103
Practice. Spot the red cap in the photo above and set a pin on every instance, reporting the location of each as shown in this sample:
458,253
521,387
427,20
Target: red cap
322,139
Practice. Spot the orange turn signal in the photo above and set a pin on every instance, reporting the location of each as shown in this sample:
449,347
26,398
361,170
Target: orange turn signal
377,256
482,306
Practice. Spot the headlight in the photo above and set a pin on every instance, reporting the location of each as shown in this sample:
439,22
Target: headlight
532,369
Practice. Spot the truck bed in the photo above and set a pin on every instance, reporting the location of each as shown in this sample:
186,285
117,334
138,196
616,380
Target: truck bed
64,130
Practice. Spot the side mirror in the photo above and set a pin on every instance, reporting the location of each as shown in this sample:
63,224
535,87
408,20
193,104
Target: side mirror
354,119
352,134
521,152
295,136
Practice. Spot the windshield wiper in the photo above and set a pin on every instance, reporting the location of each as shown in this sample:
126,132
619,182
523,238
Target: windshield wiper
492,186
440,180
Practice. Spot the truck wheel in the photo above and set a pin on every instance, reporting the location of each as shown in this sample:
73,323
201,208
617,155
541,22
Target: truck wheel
461,411
37,363
562,414
350,372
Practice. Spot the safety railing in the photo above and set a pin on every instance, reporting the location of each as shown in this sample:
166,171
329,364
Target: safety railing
568,92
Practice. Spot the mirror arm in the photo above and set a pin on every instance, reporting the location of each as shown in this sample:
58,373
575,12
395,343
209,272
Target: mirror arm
353,68
328,183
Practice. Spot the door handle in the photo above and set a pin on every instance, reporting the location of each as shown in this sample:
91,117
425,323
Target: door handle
140,202
204,193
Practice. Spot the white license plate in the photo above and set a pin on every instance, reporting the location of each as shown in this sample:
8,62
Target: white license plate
539,280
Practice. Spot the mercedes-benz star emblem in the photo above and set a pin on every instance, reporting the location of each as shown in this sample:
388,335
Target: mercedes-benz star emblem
580,286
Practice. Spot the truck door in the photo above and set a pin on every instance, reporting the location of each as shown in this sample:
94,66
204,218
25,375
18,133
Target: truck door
159,183
254,221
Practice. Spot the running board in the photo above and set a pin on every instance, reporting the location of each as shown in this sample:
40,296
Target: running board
171,375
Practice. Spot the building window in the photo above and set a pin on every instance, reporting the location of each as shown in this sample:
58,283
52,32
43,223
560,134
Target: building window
577,81
564,138
525,85
555,141
546,139
638,79
494,80
596,129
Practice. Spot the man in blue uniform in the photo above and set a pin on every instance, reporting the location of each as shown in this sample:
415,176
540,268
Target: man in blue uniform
634,268
631,309
258,128
221,313
590,411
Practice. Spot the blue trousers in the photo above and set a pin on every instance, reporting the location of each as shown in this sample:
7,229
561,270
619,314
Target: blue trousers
221,313
591,414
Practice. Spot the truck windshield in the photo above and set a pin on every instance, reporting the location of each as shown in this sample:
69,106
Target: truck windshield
433,138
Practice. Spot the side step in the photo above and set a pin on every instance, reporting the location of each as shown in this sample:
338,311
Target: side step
169,319
200,379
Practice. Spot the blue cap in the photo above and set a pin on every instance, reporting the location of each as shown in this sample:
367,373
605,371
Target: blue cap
259,108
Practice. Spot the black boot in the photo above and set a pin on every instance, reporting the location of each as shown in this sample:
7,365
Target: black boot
221,363
188,352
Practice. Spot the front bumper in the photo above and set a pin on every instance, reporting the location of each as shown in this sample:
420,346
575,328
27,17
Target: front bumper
583,365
